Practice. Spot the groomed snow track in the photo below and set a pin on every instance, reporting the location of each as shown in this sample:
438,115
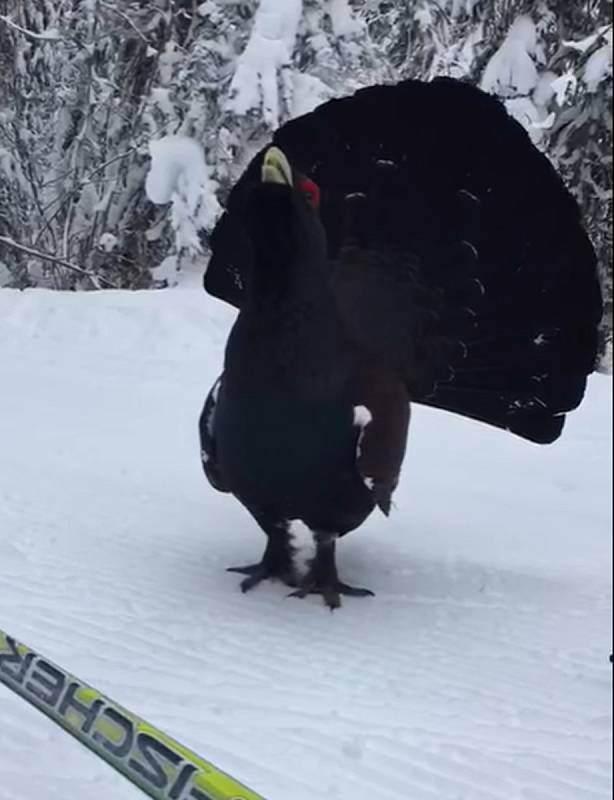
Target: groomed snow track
479,672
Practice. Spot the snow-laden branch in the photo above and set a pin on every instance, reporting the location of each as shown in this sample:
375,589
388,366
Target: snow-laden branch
512,71
50,35
180,175
270,47
583,45
599,65
343,19
96,280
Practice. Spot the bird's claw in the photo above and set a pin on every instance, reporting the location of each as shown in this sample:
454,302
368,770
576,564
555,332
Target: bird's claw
250,569
331,593
257,573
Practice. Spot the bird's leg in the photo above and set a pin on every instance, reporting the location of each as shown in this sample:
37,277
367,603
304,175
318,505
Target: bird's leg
322,577
277,561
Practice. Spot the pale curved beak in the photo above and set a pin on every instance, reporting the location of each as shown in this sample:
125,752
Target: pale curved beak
276,168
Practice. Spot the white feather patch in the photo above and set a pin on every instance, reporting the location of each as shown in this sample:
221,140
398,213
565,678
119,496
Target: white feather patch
362,418
210,421
303,544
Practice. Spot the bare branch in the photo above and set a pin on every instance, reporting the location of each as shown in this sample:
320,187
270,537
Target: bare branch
50,35
111,161
95,171
126,18
95,279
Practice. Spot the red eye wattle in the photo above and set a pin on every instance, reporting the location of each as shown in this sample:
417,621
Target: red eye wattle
311,191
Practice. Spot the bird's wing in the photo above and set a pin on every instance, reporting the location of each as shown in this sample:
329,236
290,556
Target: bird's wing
208,455
381,414
229,262
469,271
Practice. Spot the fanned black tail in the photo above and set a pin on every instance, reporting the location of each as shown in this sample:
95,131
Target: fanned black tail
461,259
478,323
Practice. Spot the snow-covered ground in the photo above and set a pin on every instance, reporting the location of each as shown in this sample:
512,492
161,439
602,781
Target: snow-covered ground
479,672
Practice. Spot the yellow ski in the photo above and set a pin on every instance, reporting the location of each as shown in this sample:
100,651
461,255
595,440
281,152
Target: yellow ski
160,766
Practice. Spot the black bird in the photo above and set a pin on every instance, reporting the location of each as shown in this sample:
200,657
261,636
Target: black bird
408,243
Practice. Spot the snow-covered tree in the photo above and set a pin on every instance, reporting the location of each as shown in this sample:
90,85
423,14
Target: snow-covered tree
89,84
72,165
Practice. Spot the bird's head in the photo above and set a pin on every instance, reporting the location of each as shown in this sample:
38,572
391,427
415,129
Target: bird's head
283,224
276,169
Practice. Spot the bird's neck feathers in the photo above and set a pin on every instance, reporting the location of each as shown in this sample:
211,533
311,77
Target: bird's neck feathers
285,284
289,254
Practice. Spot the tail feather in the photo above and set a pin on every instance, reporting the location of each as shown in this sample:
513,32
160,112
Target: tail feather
461,259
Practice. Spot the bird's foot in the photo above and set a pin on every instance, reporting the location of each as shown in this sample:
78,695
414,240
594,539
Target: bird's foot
331,591
256,573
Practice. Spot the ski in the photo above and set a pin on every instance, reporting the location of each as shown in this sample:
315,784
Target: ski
161,767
